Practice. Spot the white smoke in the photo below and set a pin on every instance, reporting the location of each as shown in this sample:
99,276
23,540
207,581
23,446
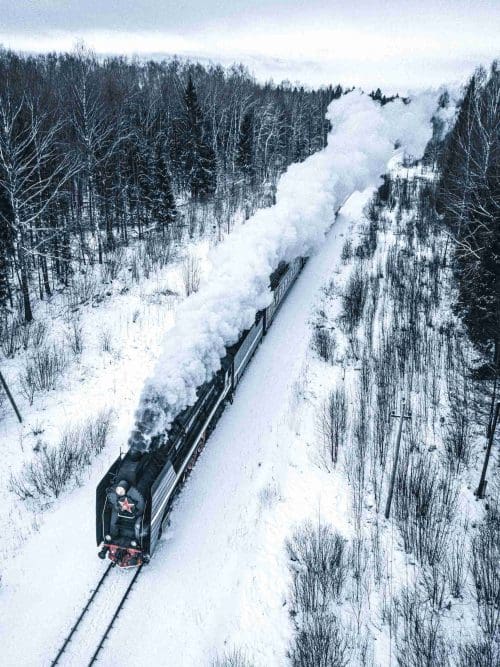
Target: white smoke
360,144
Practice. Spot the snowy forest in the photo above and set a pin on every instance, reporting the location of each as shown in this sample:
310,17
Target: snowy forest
344,511
94,155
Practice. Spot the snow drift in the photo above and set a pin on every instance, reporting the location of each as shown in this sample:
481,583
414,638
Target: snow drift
360,144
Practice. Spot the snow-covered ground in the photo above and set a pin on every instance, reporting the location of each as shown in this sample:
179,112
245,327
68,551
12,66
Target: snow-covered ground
219,576
121,337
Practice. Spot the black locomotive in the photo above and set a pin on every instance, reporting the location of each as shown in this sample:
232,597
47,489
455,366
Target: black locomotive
134,496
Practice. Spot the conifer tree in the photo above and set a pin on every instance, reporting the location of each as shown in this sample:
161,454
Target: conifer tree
199,157
164,208
244,157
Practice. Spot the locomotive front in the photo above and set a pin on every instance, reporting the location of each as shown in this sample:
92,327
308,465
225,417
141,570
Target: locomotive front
122,528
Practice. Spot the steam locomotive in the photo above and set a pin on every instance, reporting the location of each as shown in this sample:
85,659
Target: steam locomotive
134,497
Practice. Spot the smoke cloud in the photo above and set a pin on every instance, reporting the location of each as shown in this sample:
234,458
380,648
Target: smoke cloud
360,144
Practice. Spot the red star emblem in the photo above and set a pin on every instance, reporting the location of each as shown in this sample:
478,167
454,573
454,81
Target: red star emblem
126,505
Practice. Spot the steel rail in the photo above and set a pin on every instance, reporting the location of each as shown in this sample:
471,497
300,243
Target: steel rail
81,616
93,660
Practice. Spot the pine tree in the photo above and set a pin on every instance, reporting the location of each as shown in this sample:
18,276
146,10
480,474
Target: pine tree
164,209
244,156
199,157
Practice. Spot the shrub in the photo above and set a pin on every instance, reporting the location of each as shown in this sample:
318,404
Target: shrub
369,243
354,299
34,334
421,643
483,653
319,570
157,250
457,440
424,504
105,341
75,337
346,251
42,370
191,274
320,642
323,342
47,475
331,424
456,567
486,571
269,494
83,288
234,658
113,264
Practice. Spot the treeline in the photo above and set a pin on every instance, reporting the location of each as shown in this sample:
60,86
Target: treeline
469,198
96,152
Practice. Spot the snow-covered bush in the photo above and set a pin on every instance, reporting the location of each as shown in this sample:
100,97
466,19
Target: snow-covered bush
48,474
323,342
481,653
42,370
486,572
84,286
319,569
331,424
320,642
34,334
75,337
234,658
425,507
191,274
456,565
420,642
354,299
269,494
458,441
113,264
106,341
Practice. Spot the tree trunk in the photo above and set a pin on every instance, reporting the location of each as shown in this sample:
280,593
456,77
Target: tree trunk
45,275
28,314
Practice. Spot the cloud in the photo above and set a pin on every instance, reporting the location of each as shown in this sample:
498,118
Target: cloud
396,44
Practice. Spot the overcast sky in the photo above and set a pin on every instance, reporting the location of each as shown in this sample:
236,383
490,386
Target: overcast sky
395,44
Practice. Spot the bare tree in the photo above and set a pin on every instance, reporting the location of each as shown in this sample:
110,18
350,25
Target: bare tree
331,423
33,172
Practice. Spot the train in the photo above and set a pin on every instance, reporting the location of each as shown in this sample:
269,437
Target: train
134,498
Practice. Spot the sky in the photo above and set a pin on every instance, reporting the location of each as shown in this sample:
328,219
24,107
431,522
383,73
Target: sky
397,44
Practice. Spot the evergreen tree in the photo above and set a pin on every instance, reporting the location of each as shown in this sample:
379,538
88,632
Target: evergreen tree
199,157
164,209
244,156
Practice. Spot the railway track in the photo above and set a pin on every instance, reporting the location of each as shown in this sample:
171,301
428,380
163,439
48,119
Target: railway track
84,616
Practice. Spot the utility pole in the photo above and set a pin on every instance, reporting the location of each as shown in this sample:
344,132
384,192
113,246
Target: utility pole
10,397
481,489
402,417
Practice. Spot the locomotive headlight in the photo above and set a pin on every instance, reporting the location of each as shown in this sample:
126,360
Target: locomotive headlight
108,538
133,543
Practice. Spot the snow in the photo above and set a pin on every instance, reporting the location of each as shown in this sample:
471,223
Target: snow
219,577
229,524
359,147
